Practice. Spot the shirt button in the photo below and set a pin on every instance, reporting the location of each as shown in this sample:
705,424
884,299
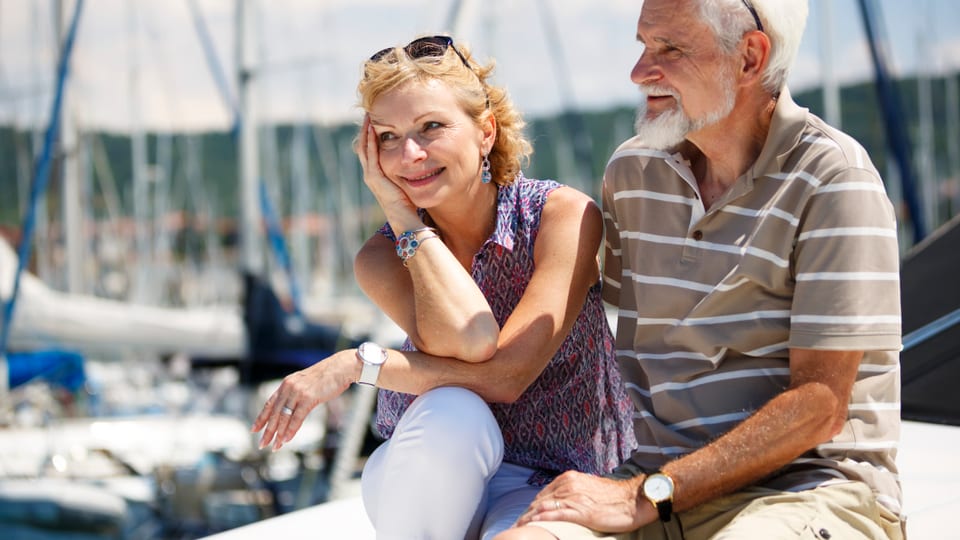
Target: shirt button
698,234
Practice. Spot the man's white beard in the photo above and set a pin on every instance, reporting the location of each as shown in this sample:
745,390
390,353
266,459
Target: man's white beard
663,131
671,127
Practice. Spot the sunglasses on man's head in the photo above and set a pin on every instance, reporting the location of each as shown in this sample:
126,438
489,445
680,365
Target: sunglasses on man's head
425,47
756,18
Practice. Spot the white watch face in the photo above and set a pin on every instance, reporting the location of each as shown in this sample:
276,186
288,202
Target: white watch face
371,353
658,487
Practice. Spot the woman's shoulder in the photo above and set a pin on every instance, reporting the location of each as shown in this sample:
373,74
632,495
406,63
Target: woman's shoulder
524,184
552,205
530,187
548,200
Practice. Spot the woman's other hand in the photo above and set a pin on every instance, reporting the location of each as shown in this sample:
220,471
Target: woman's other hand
298,394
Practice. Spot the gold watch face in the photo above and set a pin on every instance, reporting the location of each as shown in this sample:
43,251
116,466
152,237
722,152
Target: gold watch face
658,487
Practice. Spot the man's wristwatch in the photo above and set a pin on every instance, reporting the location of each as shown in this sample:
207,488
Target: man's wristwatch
658,488
372,356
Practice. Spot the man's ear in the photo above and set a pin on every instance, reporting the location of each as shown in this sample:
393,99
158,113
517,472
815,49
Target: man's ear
755,54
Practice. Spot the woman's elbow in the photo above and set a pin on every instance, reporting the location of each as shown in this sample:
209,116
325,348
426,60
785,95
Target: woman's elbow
479,340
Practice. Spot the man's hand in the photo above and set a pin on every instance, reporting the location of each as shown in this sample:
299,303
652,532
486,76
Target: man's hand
601,504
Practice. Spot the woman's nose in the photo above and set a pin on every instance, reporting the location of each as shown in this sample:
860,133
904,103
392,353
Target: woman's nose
413,150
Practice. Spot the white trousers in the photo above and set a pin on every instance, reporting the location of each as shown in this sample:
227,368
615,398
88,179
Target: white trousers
440,477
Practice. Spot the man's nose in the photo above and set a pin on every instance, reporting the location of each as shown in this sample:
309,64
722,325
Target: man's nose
646,70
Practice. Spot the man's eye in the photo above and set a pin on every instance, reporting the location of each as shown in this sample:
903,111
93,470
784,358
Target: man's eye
672,51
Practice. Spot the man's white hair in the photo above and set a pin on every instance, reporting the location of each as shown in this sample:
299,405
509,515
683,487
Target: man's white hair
783,22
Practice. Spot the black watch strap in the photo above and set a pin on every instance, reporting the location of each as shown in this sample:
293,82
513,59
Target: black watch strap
658,489
665,509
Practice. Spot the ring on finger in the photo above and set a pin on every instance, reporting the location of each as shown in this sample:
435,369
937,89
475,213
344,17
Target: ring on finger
556,503
286,411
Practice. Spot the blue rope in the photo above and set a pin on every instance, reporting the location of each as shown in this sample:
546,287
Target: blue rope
41,177
275,234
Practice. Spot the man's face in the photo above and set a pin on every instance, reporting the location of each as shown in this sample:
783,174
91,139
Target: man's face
688,84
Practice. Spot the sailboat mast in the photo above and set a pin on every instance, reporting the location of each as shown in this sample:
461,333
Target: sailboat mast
138,149
454,19
248,160
951,96
72,193
831,90
926,169
897,133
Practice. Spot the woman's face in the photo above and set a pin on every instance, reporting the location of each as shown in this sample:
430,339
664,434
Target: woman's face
428,145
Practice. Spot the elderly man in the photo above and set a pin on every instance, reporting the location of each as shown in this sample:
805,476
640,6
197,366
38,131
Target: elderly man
752,252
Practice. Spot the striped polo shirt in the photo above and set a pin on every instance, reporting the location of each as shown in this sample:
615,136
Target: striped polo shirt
800,252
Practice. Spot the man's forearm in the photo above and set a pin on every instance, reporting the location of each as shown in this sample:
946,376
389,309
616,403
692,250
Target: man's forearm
783,429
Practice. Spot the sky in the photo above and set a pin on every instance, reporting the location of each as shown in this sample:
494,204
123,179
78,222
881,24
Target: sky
142,62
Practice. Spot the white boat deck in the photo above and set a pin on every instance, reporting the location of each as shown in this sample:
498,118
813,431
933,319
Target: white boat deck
929,471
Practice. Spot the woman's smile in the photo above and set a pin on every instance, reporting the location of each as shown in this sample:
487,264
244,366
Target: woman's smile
424,178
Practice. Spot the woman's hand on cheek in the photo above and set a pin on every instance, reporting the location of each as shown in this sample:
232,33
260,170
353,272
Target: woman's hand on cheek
388,194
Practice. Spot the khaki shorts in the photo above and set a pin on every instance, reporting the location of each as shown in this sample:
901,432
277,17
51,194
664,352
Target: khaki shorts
839,511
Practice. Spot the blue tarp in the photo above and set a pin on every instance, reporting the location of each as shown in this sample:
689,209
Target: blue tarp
59,368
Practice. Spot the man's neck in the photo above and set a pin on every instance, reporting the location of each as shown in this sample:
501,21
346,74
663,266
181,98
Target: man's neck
724,151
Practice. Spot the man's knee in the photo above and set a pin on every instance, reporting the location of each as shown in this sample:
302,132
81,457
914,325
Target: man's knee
846,510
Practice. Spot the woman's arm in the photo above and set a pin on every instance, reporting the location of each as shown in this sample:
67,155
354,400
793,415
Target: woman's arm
566,262
435,301
566,266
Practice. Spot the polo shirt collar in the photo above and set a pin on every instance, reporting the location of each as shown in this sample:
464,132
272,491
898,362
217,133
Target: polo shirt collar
786,128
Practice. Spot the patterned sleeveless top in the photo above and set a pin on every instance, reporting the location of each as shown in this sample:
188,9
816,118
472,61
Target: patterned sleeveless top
576,415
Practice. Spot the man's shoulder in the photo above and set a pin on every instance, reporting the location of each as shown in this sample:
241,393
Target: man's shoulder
800,141
831,148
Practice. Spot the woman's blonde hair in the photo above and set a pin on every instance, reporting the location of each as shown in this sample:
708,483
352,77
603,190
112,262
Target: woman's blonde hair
478,99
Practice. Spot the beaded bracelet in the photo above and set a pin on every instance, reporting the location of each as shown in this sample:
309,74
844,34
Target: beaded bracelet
408,243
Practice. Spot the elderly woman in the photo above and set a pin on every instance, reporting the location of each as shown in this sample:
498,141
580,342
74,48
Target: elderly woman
507,377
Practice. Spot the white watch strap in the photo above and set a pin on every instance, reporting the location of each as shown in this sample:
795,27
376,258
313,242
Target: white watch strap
371,356
369,374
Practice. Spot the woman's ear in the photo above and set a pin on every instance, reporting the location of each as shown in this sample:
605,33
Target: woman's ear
488,125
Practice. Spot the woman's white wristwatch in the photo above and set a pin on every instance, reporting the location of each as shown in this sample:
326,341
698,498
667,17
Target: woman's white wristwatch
372,356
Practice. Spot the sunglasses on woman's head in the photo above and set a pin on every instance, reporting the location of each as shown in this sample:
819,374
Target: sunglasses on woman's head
432,46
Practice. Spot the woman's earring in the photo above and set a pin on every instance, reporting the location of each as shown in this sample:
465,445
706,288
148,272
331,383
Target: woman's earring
486,176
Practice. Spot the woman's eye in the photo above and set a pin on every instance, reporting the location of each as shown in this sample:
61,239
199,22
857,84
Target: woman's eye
432,125
388,141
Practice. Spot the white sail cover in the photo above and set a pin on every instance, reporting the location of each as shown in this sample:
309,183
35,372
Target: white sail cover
46,318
